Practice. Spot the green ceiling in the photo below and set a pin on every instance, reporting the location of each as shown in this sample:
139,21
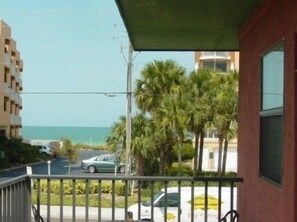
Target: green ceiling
185,24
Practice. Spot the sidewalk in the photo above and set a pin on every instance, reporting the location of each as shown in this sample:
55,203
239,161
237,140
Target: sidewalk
80,213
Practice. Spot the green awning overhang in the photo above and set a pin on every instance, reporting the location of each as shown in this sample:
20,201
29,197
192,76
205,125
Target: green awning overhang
193,25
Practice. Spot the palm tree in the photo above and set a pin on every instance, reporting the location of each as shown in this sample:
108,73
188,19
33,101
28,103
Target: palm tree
142,142
70,151
172,115
117,136
156,79
200,111
225,108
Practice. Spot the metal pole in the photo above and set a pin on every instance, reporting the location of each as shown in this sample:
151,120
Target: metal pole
49,167
128,110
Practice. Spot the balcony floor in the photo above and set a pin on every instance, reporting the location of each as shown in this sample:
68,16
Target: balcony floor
80,213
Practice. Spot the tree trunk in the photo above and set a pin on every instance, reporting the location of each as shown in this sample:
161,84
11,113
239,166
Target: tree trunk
179,156
162,162
195,167
168,155
201,152
220,155
139,164
225,157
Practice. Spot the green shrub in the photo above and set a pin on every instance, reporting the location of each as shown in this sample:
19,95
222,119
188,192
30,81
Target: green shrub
208,174
88,147
185,170
187,152
43,186
231,174
4,163
17,152
120,189
94,188
29,154
80,187
67,188
215,174
106,187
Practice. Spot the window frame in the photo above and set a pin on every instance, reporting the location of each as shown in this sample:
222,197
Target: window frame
274,112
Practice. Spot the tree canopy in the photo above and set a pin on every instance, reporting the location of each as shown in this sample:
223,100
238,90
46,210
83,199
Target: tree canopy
173,103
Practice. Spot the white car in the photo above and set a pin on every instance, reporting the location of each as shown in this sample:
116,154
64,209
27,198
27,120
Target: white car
45,149
182,200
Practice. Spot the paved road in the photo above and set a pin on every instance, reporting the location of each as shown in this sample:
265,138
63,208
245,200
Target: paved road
58,166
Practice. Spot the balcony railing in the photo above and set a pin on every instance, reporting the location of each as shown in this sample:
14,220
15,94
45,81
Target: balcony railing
148,198
6,59
15,199
215,55
15,120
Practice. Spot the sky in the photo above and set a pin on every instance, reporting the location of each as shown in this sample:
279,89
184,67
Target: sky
78,48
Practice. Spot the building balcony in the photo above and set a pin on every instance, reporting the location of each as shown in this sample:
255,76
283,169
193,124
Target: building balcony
13,70
17,99
18,78
13,96
15,120
215,55
81,198
6,59
6,89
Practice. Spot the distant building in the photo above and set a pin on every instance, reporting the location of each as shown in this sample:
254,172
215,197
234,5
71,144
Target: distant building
11,67
219,61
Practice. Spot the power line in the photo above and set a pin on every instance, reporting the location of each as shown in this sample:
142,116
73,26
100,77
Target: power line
64,25
65,37
58,13
73,93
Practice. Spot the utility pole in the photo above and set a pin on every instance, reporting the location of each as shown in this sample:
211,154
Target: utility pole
128,114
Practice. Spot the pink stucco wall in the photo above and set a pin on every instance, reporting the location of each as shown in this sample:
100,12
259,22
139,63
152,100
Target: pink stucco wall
260,200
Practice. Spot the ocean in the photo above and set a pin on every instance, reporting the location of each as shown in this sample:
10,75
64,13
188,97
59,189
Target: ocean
85,135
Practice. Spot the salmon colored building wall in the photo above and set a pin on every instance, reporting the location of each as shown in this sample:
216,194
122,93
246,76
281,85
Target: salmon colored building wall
260,200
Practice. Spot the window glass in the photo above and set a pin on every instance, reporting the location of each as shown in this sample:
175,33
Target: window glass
172,200
221,66
270,152
209,65
156,196
110,159
273,66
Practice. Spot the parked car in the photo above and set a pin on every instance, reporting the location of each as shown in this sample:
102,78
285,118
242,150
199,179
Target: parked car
102,163
45,149
183,200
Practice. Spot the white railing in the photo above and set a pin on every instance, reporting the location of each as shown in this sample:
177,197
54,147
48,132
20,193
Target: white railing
209,198
15,120
6,59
